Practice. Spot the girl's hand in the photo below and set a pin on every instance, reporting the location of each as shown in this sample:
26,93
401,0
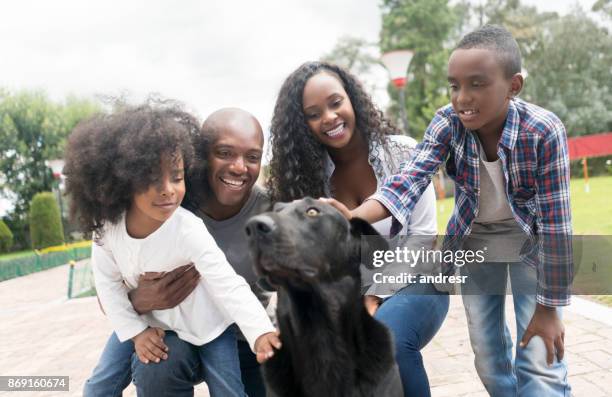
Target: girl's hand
337,205
371,302
265,344
150,346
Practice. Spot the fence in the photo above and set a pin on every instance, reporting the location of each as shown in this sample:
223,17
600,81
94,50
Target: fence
80,280
44,259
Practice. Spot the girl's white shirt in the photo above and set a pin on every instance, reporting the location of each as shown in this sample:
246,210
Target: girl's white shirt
221,298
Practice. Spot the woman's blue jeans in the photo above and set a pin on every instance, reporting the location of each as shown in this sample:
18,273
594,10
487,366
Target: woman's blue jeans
414,315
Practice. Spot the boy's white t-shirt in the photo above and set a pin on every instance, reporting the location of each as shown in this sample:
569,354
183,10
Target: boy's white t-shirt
494,227
221,298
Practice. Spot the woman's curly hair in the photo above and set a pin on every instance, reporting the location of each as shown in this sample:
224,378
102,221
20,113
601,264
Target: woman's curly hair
296,168
111,157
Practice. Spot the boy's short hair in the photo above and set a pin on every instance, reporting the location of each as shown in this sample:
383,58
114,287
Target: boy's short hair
498,39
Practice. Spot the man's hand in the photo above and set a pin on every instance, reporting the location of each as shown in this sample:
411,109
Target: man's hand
158,291
265,344
150,346
371,302
546,324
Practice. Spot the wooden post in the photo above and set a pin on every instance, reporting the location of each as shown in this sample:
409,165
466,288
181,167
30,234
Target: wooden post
585,171
70,278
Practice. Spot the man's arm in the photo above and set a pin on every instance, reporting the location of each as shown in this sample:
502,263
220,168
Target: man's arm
159,291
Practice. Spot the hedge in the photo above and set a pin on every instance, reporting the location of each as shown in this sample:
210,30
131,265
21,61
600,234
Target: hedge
45,221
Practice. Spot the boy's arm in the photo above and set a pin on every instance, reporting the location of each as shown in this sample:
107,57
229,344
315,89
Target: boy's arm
113,294
400,193
553,220
554,230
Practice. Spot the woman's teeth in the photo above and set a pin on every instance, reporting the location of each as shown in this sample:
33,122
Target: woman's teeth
336,131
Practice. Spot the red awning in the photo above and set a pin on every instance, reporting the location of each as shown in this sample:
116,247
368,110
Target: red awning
590,146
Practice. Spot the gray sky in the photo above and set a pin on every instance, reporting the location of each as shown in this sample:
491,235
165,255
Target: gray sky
207,54
203,53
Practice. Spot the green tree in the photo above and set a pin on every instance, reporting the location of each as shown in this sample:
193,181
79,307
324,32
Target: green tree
569,73
6,237
46,228
33,129
425,27
567,60
604,7
352,53
360,58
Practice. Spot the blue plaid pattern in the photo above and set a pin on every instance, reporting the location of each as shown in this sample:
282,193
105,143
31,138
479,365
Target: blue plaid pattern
534,154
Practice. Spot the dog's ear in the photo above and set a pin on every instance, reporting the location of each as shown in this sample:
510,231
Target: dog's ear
372,241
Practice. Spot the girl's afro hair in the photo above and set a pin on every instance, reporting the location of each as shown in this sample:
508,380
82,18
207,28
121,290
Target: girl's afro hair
111,157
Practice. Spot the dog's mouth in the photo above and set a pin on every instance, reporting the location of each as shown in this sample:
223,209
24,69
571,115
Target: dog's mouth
279,273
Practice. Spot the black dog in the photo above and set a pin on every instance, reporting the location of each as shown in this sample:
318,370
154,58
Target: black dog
331,345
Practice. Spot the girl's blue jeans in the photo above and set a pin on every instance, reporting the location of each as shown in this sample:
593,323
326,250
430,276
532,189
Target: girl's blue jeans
215,362
413,315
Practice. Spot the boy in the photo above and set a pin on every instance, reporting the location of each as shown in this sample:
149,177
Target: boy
510,165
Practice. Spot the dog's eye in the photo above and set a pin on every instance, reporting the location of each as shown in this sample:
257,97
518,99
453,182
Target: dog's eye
312,211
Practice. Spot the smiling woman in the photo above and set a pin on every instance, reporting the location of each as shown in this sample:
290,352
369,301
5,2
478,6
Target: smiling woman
329,139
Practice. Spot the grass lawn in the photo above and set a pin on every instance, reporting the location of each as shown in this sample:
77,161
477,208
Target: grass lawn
591,212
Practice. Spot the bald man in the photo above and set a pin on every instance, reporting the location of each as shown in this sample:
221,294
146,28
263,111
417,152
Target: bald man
222,191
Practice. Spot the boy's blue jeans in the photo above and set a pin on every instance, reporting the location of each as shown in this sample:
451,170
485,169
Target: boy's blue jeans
215,362
414,315
484,301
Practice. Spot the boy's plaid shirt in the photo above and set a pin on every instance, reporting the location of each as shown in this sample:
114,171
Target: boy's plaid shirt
534,155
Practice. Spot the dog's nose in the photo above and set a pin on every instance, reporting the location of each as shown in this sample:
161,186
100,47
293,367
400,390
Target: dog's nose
260,225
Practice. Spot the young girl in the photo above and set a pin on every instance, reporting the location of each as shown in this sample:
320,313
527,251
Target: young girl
125,174
329,140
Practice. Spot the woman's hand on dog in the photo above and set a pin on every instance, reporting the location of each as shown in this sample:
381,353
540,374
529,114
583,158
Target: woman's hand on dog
149,345
265,345
371,302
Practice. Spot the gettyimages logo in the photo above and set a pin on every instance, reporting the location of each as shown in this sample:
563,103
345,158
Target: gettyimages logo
412,257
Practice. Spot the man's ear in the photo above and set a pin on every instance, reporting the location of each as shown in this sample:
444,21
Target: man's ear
366,241
516,85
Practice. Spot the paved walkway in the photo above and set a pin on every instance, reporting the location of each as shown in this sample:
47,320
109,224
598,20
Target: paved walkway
42,333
